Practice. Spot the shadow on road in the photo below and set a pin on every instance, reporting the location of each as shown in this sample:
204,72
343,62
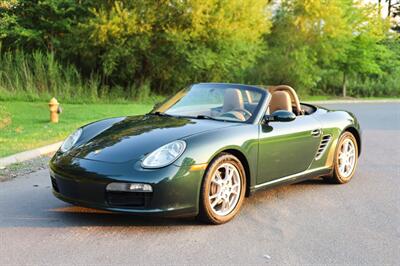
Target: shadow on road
313,182
45,211
76,216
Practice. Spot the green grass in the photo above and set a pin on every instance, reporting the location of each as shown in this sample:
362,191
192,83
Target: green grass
25,125
328,98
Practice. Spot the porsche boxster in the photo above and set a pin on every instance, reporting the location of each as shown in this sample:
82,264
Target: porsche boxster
203,150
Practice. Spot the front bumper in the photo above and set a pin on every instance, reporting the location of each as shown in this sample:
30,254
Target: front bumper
83,182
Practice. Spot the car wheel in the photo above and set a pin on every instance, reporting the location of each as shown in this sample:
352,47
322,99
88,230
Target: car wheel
346,158
223,189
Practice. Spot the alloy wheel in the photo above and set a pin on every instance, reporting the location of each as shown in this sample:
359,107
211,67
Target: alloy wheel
346,158
225,189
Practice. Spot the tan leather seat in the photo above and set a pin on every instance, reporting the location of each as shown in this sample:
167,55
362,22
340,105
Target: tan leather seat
233,99
296,107
280,101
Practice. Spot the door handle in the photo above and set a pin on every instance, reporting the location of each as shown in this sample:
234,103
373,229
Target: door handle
316,132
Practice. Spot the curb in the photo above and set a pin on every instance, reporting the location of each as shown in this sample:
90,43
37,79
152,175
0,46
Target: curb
28,155
354,101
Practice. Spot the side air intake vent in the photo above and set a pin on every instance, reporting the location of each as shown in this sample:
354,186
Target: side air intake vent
322,147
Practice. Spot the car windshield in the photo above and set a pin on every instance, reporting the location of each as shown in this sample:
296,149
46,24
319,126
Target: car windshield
228,102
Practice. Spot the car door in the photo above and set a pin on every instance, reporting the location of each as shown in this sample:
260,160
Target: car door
287,148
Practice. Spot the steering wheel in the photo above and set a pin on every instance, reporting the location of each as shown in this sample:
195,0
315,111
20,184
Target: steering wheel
240,114
244,112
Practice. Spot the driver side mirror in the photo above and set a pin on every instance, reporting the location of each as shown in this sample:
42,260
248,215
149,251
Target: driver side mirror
280,116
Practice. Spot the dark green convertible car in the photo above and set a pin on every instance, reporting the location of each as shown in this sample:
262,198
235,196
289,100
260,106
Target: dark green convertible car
202,151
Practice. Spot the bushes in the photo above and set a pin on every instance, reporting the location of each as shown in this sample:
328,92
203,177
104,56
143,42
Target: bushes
387,86
121,50
39,76
135,44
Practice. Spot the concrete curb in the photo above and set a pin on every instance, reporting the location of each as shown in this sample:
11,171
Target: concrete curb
354,101
28,155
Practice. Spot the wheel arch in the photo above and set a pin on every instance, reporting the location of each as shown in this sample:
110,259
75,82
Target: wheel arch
356,134
242,158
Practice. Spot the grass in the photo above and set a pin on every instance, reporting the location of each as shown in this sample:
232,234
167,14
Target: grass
328,98
25,125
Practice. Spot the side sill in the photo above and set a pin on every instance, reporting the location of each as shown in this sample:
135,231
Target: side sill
293,178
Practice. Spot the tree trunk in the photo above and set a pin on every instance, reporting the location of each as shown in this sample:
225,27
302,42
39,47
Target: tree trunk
389,7
344,84
379,8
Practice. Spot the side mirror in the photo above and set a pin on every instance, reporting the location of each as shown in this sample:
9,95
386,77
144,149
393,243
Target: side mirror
280,116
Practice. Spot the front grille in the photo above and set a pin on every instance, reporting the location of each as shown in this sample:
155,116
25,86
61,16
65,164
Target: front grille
322,146
54,184
128,199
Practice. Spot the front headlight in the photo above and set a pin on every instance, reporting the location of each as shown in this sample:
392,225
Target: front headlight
71,140
164,155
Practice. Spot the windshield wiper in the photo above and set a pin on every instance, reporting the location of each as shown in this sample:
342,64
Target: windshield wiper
207,117
160,114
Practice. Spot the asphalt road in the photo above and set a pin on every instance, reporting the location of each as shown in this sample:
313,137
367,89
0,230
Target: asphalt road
307,223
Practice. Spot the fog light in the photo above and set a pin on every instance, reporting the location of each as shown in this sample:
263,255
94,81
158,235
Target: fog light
129,187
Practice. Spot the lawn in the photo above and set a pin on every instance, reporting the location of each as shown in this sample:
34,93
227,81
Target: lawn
329,98
25,125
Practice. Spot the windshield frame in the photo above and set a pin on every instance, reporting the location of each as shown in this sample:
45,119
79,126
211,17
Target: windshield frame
258,111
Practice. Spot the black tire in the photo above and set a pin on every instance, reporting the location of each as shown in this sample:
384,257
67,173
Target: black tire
206,212
336,177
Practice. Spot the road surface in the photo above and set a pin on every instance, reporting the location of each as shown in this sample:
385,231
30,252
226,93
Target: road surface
307,223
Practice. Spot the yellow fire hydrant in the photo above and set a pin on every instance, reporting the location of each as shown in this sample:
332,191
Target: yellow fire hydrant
54,110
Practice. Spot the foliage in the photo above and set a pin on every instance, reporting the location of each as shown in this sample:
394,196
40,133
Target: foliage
395,8
314,40
96,50
173,43
39,76
165,44
40,25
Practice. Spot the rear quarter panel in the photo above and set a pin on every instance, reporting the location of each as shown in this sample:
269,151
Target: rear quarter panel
333,123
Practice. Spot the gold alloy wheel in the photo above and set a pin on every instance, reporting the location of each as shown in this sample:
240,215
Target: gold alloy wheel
224,189
346,158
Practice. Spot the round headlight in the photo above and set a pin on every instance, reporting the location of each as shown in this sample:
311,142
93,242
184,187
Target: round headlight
71,140
164,155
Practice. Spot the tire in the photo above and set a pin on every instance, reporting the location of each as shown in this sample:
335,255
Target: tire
342,172
222,195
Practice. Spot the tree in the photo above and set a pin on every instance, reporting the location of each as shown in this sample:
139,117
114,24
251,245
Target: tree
39,25
396,17
164,43
363,49
306,37
313,39
173,43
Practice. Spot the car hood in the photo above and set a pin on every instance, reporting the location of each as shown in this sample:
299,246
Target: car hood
132,137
